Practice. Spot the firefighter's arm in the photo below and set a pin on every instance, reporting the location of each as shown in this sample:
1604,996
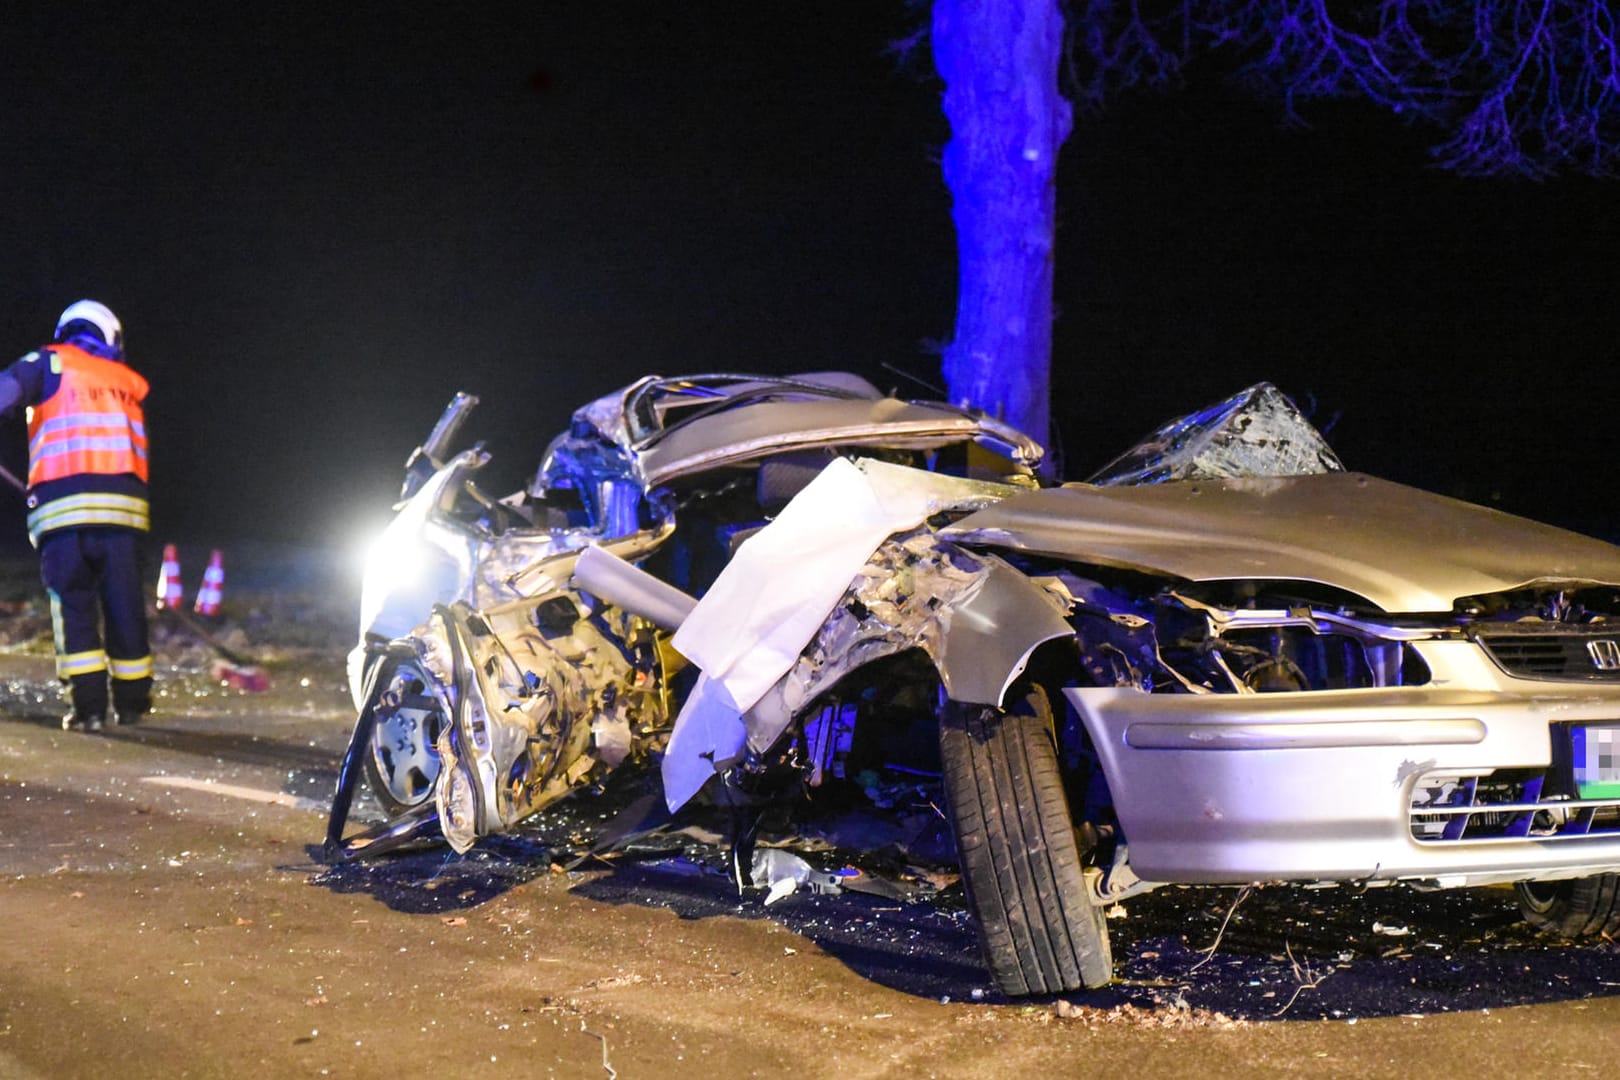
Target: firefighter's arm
23,382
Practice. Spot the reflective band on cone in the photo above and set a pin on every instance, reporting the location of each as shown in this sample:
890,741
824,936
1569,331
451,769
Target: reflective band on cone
212,590
169,593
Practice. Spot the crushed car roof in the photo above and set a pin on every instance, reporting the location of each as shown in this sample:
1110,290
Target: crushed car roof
674,426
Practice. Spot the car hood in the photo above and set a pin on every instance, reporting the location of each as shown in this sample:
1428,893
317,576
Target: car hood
1403,549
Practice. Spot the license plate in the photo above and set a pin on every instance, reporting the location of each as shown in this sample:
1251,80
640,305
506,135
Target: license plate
1595,753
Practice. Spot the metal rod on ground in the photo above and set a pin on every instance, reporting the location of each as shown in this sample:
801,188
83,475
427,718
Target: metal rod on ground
238,670
180,616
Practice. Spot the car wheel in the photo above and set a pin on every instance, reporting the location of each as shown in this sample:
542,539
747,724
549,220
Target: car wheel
1020,864
402,763
1575,908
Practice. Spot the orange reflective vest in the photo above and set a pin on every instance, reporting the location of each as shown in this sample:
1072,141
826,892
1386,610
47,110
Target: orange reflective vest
92,424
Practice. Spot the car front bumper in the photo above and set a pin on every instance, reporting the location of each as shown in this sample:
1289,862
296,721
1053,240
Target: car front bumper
1319,786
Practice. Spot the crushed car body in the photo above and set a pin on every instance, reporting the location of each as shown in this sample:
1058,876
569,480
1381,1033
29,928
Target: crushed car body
1223,660
483,674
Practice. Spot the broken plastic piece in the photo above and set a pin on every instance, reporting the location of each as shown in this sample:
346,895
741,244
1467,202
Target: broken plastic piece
782,873
248,677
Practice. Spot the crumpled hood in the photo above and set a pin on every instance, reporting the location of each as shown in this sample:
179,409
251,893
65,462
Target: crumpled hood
1403,549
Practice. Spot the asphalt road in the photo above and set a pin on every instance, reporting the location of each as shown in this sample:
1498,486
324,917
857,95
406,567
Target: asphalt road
165,915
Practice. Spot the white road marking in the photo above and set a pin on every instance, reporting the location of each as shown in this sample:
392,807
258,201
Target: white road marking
272,798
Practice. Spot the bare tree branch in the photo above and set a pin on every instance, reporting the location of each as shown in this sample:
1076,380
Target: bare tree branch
1526,87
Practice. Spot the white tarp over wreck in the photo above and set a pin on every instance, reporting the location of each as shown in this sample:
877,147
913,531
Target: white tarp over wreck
778,590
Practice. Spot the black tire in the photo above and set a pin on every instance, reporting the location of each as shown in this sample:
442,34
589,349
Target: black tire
1575,908
1020,864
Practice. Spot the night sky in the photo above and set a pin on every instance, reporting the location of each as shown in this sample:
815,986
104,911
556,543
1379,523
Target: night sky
318,226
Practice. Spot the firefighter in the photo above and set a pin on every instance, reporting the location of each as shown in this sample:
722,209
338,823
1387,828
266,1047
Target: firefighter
87,509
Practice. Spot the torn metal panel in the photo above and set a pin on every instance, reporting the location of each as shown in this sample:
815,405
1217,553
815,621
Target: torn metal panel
605,416
991,632
660,429
503,571
885,423
899,599
419,560
1255,432
548,696
601,475
656,406
975,617
553,573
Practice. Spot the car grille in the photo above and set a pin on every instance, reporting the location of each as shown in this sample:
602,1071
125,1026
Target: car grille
1579,653
1505,805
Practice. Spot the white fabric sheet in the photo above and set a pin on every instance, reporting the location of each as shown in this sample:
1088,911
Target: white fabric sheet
785,580
783,583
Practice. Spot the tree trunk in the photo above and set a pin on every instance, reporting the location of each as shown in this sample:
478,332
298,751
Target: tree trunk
999,60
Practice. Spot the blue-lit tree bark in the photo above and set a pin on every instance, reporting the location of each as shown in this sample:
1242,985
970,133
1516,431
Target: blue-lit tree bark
1520,87
999,59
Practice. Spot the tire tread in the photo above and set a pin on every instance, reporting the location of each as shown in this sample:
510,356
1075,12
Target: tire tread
1579,908
1020,865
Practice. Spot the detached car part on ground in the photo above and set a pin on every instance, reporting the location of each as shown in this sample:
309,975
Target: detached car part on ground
1224,660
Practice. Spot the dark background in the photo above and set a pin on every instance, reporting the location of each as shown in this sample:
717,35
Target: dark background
316,226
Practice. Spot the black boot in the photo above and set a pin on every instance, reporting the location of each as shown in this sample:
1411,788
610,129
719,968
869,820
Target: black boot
132,699
89,695
75,721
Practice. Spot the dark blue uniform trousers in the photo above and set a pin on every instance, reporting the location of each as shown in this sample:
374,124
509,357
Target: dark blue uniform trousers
94,578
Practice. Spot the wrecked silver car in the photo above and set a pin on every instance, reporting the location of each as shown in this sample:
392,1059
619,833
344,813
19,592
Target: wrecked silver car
1223,660
511,649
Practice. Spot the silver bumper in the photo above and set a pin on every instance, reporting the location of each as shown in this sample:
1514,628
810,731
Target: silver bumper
1319,786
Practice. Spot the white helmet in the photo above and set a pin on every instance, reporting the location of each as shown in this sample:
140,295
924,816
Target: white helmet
96,314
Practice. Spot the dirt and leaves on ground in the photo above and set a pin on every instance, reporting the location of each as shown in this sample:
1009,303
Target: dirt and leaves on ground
1184,957
289,613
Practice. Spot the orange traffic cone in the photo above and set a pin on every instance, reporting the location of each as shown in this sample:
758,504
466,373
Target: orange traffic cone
169,593
212,590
